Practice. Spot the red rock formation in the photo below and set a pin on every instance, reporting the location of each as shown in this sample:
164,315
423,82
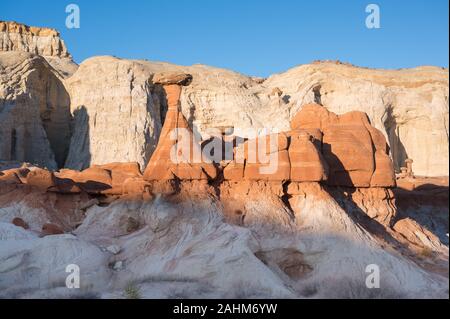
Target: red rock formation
51,229
93,180
277,168
233,171
383,176
9,178
121,171
40,178
355,151
176,131
135,186
307,164
15,174
19,222
414,233
105,179
293,156
342,150
108,179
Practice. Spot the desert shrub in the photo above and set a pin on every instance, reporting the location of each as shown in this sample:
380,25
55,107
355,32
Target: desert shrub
132,291
132,225
426,253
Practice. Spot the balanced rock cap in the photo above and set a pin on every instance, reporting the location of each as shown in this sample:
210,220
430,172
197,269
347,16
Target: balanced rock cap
172,78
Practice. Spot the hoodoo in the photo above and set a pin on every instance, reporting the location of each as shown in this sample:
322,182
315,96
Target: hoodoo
123,168
175,155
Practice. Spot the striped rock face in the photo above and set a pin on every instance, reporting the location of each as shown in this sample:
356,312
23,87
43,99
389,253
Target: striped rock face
169,159
356,152
42,41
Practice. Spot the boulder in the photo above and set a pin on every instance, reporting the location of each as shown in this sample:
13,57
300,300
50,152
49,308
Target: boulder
93,180
347,148
168,78
51,229
10,178
264,158
311,116
21,173
40,178
416,234
19,222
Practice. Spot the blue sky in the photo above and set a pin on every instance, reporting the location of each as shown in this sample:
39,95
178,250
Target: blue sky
255,37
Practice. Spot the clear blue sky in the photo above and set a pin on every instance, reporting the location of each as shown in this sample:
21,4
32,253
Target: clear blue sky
255,37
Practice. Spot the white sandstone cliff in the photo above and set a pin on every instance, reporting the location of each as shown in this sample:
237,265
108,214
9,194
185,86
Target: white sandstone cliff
122,111
409,106
116,116
34,111
45,42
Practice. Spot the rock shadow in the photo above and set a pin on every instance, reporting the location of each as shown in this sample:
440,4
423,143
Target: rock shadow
341,187
397,149
157,107
79,156
343,197
427,205
55,118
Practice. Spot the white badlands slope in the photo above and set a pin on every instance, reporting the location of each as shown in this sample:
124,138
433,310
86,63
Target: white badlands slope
187,249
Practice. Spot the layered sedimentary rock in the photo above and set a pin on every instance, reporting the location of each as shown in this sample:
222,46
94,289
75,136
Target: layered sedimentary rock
270,218
356,152
34,103
192,233
175,155
409,107
116,116
45,42
110,180
34,111
281,157
340,150
307,161
41,41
